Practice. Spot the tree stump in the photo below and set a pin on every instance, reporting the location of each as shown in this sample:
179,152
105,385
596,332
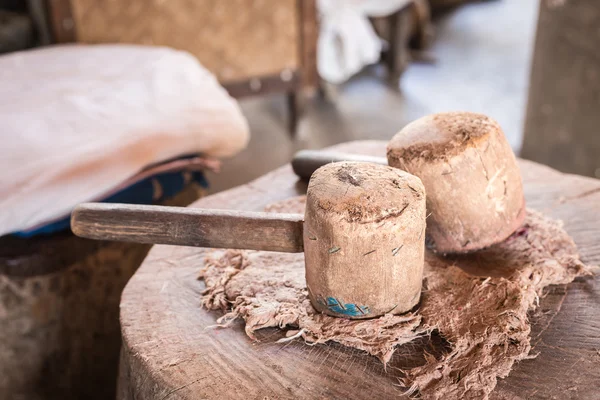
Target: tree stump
169,351
59,305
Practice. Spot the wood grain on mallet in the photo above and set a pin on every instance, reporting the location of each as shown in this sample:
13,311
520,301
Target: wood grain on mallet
189,227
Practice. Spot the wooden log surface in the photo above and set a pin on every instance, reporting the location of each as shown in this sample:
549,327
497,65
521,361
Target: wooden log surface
170,352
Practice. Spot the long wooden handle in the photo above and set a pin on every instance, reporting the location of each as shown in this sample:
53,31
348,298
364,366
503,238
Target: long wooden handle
189,226
305,162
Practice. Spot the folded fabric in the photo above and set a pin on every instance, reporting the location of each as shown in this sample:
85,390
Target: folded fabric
80,120
151,186
148,191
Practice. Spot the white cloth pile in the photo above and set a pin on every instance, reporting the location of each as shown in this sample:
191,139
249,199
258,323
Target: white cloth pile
347,41
79,120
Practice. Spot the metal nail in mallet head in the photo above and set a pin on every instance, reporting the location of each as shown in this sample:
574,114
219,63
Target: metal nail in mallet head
362,234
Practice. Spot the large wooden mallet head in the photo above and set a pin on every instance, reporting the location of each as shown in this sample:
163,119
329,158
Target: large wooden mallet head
363,234
364,241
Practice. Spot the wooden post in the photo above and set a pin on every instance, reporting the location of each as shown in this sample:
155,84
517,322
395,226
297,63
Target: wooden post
38,9
62,22
561,126
364,240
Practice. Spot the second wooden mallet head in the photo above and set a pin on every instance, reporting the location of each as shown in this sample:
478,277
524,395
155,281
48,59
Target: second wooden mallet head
474,188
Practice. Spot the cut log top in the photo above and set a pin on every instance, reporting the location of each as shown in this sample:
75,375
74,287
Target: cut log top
370,192
169,351
441,135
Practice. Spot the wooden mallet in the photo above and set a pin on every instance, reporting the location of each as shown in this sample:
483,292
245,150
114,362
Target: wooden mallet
363,235
472,181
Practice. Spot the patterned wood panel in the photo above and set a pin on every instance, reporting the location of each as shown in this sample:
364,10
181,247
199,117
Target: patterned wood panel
235,39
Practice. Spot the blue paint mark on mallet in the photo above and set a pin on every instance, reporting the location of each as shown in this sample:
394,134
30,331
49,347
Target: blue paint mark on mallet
349,309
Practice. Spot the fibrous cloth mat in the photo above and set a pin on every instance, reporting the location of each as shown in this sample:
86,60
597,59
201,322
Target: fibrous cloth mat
478,303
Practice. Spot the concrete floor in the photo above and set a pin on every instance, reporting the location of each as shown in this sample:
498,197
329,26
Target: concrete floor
482,53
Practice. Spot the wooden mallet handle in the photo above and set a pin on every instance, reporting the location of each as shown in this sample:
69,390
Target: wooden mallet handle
189,226
305,162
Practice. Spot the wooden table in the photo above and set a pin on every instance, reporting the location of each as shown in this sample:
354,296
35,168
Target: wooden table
168,353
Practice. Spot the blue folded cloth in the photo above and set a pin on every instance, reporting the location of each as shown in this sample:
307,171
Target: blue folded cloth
143,192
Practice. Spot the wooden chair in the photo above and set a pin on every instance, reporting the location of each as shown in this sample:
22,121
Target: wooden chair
253,47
